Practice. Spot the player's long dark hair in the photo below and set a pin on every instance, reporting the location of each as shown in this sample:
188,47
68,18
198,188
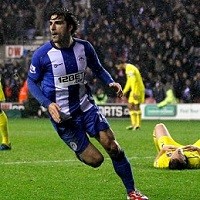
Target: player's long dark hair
70,18
176,164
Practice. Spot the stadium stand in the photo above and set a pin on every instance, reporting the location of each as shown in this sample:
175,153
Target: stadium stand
161,37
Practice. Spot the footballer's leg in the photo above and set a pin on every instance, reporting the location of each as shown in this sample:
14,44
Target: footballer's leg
3,124
138,119
73,133
161,130
132,117
5,145
120,162
163,136
91,156
98,127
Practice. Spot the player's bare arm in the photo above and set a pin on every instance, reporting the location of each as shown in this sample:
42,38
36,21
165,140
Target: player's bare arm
169,147
164,149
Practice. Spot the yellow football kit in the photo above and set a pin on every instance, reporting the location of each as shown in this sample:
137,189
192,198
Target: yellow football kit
163,160
3,124
134,85
2,96
193,157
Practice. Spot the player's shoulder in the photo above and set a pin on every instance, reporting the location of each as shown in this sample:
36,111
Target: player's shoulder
88,47
131,68
83,42
43,49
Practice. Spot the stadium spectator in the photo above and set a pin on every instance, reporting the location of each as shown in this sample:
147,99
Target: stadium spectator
159,92
186,93
23,93
39,8
173,155
8,90
68,99
195,88
170,97
2,36
100,97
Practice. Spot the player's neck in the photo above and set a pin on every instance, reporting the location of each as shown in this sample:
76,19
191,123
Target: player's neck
65,44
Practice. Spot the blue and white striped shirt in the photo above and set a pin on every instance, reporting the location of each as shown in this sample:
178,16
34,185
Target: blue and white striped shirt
58,75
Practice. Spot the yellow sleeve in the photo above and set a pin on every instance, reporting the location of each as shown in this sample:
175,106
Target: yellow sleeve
127,86
166,140
170,99
193,159
162,162
139,85
134,81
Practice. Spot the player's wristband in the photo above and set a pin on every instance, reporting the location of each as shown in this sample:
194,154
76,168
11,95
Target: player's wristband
111,84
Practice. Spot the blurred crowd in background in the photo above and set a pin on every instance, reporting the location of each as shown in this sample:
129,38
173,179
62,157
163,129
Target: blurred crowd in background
160,37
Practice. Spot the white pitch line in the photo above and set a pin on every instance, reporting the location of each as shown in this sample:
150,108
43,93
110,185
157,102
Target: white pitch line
59,161
36,162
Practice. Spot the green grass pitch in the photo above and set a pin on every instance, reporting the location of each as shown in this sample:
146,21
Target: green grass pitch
41,167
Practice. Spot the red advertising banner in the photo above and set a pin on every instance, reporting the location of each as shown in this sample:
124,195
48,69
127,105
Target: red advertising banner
14,51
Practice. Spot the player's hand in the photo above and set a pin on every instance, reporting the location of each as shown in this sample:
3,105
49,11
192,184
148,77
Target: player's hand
169,148
190,148
118,88
136,97
54,111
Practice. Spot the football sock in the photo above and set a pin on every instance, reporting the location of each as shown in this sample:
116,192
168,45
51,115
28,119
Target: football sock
133,117
138,118
123,169
4,128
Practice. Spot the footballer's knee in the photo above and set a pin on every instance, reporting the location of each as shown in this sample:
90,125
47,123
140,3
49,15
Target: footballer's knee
159,125
115,152
160,130
118,156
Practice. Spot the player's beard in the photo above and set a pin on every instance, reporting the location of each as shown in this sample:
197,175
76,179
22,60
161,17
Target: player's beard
56,38
60,40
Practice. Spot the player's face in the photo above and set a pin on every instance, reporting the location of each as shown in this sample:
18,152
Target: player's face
178,154
60,31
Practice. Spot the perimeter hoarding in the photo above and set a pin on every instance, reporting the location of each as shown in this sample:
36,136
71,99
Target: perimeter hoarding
151,111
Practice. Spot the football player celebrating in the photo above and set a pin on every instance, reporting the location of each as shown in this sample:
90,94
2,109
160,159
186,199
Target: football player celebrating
57,80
